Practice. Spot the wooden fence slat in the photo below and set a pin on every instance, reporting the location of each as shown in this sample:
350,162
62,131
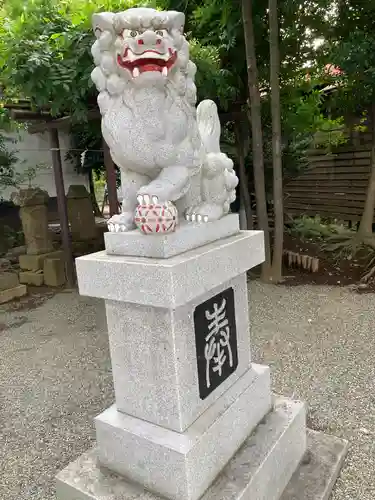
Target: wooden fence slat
335,182
339,184
313,210
332,202
354,148
338,163
341,176
305,204
344,156
334,195
338,169
347,191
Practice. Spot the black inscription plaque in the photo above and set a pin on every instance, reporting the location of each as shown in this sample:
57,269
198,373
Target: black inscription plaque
215,341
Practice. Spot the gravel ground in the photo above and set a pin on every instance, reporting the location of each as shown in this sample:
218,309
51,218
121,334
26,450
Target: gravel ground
55,377
320,344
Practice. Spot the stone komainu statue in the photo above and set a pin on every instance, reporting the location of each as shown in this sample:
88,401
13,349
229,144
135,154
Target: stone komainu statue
166,148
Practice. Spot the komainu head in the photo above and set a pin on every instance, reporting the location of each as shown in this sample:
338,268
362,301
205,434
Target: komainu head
145,44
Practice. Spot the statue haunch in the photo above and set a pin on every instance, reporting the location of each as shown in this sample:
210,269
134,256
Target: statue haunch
167,149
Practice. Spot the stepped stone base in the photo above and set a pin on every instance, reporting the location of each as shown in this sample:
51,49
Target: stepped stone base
267,467
163,246
183,465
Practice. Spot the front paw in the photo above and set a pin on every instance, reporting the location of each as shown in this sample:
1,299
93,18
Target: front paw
121,223
155,192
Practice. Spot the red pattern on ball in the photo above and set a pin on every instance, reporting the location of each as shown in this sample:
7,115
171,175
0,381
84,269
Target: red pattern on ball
156,218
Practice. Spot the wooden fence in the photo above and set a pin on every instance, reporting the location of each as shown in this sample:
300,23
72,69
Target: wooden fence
335,183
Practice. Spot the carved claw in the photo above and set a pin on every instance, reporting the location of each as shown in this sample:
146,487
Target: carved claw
117,228
193,217
121,223
145,199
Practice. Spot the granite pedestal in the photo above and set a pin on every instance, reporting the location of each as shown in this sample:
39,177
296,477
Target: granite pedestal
187,394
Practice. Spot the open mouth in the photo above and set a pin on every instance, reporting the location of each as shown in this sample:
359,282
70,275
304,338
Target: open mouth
149,60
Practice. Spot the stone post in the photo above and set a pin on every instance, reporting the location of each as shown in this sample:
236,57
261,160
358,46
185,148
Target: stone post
80,213
33,204
187,393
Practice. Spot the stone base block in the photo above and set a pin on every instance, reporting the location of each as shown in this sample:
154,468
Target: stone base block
173,282
319,469
155,350
162,246
31,278
35,262
182,465
260,470
54,272
12,293
8,280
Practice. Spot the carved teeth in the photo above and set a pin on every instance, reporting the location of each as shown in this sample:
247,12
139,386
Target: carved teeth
111,227
136,73
165,71
155,200
205,218
199,218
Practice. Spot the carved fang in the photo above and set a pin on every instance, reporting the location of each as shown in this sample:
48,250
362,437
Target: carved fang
136,73
165,71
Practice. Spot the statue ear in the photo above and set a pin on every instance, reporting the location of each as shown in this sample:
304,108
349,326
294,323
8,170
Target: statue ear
101,22
176,20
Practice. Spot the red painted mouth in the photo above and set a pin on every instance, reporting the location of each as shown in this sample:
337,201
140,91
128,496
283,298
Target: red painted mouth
147,63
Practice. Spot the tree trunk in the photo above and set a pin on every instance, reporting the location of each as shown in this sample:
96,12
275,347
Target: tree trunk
93,195
277,258
244,181
257,135
365,227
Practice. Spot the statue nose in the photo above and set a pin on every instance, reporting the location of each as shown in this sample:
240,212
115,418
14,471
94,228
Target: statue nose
148,38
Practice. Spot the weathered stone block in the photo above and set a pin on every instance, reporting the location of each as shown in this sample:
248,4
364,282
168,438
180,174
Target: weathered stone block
81,214
12,293
34,217
8,280
34,278
36,262
54,272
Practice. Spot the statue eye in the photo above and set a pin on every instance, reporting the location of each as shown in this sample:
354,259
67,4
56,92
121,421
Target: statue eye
159,33
134,33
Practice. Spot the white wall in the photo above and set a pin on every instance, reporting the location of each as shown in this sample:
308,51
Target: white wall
33,149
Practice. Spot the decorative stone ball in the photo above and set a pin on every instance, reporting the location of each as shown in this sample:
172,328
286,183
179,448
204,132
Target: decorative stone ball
156,218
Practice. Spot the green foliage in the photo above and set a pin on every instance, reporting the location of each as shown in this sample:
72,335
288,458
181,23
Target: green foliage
8,159
10,238
351,46
45,52
211,79
45,57
313,228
